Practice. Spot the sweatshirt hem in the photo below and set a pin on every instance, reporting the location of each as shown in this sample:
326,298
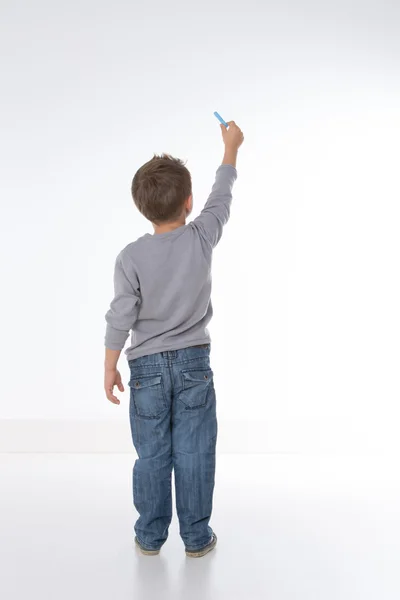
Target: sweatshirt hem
131,354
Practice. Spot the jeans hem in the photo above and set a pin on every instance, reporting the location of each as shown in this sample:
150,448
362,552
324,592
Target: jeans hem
200,547
147,547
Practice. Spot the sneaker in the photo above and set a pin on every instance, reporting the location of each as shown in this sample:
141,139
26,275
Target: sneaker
198,553
144,550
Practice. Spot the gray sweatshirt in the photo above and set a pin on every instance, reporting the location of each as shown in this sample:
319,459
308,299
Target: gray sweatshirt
162,282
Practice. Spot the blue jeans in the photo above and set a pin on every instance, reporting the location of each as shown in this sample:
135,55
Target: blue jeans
174,426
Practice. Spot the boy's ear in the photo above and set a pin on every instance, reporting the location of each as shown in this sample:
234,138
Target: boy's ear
189,204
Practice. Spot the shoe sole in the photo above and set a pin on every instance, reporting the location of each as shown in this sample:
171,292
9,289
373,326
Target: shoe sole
144,551
203,551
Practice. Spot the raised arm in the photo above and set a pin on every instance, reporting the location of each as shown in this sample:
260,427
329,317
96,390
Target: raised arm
216,211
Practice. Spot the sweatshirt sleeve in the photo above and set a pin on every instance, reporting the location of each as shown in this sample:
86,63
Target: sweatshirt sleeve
124,307
216,211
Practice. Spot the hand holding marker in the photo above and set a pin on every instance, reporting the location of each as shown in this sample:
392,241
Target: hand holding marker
233,136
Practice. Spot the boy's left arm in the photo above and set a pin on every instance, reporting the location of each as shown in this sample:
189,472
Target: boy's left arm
120,320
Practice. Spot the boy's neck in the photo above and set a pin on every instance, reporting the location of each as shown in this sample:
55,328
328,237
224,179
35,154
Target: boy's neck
165,227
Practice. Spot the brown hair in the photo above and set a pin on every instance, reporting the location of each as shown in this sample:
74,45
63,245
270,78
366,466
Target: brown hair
160,188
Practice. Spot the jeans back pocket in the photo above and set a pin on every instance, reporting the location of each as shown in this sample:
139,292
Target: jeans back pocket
196,385
148,395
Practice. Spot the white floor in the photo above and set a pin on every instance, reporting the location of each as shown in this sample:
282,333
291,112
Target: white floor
290,527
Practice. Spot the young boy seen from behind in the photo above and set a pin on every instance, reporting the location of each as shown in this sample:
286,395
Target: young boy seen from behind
162,288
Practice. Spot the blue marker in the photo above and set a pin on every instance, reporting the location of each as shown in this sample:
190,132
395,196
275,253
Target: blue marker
220,119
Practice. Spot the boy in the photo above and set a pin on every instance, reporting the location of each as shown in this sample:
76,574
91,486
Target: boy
162,293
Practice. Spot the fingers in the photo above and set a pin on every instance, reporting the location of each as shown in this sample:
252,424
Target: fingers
111,397
229,123
120,386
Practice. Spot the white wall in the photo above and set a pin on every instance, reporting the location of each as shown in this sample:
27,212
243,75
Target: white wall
306,287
